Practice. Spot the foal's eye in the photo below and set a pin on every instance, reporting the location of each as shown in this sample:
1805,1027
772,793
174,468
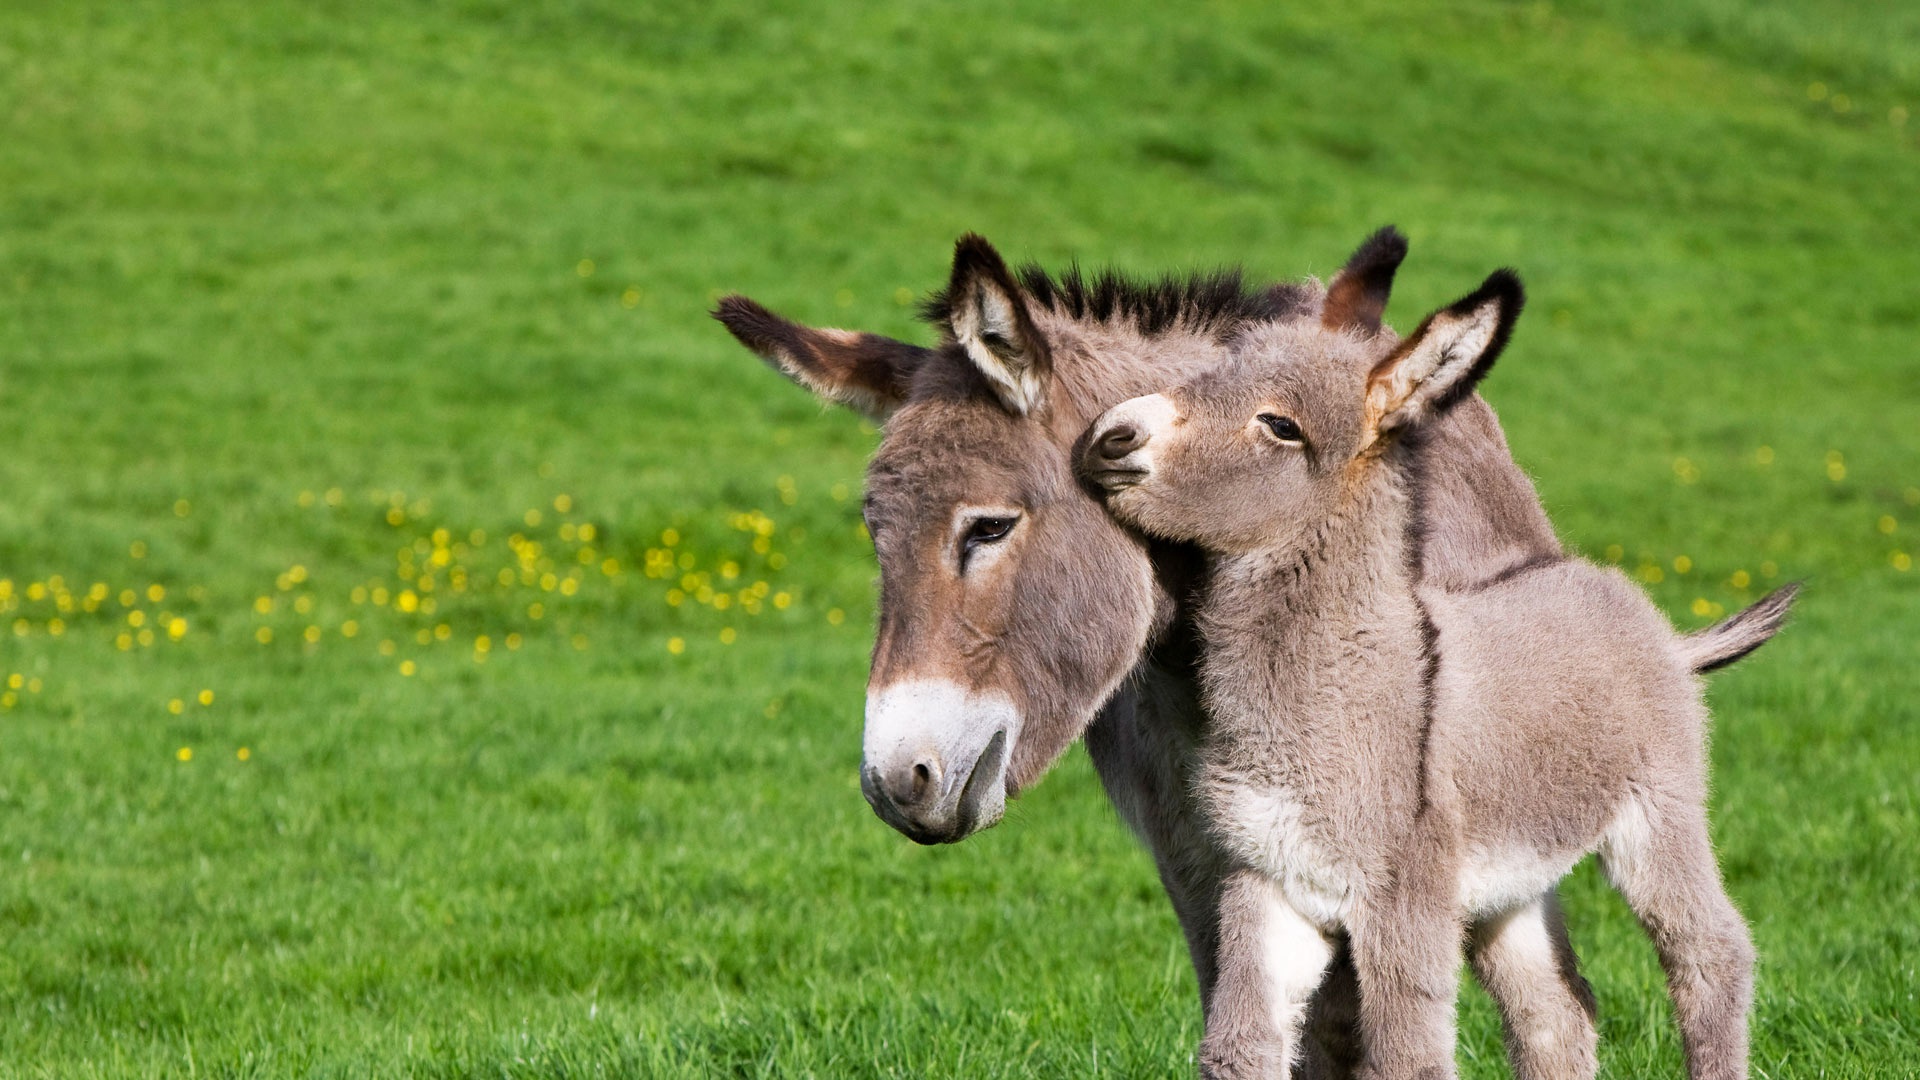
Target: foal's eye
988,530
1283,427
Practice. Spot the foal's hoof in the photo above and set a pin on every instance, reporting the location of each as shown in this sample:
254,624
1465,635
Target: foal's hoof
1227,1059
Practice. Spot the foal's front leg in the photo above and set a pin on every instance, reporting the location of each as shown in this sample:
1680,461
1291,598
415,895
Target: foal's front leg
1269,962
1143,746
1407,953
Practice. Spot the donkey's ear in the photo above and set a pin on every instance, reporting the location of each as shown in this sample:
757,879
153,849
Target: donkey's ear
987,314
864,371
1358,296
1441,362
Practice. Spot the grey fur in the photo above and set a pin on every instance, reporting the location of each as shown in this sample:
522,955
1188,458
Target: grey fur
1075,622
1411,757
1740,633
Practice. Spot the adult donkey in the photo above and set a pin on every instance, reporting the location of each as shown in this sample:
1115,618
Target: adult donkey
1016,617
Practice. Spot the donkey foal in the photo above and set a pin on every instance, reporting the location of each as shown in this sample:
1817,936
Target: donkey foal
1406,764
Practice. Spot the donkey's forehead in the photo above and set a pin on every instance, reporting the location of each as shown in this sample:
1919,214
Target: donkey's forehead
943,448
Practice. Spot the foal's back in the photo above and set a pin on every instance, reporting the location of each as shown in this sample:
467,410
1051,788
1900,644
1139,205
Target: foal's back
1560,693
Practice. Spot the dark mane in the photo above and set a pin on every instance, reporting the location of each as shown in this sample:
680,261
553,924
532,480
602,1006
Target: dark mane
1211,301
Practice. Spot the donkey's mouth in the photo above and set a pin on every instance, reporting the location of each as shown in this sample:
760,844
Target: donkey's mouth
934,757
984,797
978,804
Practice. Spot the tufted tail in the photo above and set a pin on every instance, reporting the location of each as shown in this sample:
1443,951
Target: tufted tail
1740,633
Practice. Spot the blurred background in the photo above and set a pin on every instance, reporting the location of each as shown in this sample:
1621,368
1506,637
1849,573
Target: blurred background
430,646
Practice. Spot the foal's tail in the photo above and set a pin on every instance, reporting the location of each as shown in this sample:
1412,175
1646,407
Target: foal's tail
1738,634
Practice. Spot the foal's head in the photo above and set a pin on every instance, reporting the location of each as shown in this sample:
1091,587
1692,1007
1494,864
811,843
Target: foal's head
1255,453
1011,605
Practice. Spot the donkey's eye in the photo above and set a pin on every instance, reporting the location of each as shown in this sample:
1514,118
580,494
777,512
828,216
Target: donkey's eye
1283,427
987,530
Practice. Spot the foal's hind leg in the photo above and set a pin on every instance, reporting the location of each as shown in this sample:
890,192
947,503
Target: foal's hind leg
1526,963
1659,856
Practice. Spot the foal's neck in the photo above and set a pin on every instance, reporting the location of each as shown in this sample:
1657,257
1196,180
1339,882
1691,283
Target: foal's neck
1322,641
1347,569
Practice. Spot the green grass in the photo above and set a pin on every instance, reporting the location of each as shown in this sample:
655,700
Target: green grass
454,261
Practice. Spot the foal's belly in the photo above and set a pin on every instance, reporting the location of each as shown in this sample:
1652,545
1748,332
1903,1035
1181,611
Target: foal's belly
1494,882
1323,879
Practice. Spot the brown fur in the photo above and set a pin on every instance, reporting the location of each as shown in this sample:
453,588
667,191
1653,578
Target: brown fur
1399,761
1080,625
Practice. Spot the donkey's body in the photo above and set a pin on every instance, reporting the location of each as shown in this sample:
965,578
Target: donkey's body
1395,760
989,664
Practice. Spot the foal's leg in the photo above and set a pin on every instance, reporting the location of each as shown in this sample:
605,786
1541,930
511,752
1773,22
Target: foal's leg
1526,963
1270,961
1660,858
1329,1038
1142,745
1406,951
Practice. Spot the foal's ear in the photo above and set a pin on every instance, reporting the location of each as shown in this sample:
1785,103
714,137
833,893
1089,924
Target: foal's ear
1442,361
1358,296
987,314
864,371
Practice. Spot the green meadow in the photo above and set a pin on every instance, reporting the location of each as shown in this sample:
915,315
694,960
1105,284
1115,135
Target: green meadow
430,646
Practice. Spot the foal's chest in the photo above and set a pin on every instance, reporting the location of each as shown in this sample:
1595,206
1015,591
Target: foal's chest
1268,826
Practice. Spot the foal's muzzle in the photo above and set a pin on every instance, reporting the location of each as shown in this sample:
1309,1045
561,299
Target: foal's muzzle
1108,460
1115,454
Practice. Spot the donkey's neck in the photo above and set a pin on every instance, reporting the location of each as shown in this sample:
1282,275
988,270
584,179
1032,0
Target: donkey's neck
1317,678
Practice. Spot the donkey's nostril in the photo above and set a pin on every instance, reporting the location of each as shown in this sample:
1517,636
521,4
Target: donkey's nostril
926,776
912,787
1120,440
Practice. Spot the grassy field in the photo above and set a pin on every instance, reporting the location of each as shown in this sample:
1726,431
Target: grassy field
361,427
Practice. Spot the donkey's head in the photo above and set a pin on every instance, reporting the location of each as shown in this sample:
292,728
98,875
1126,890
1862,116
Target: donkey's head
1011,606
1255,453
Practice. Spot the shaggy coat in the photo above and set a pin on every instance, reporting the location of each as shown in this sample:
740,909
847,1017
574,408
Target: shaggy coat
1404,762
1016,616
